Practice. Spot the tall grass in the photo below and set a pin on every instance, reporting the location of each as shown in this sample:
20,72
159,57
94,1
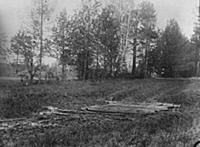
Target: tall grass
161,129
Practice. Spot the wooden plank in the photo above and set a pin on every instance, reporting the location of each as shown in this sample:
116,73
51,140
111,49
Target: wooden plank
117,107
156,105
13,120
118,112
114,107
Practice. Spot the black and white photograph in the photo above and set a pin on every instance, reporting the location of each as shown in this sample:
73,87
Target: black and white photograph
99,73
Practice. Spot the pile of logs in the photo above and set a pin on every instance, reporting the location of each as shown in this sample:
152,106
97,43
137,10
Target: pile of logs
111,110
131,108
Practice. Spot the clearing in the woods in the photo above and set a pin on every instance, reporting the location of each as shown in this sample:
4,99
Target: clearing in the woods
118,113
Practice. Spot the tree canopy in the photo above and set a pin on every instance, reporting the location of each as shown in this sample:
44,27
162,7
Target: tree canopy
110,40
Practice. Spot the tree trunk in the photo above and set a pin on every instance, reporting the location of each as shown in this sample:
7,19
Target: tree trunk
17,68
146,60
87,66
134,57
41,38
84,66
62,58
111,68
197,61
63,71
97,66
31,72
31,78
197,69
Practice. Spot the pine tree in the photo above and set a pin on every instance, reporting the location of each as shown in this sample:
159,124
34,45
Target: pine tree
196,41
173,45
61,41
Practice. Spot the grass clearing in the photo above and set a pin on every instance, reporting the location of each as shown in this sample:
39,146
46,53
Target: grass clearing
160,129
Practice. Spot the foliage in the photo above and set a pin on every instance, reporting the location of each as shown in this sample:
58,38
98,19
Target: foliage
99,40
24,44
61,41
148,34
82,38
4,67
173,47
96,38
3,41
109,37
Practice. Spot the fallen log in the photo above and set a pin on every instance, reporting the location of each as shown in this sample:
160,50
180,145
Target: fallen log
50,109
115,112
112,110
125,108
12,120
115,108
148,105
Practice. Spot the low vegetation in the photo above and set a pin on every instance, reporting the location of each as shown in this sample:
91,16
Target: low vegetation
160,129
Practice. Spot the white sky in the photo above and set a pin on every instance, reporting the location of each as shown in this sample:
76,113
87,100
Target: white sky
14,12
184,11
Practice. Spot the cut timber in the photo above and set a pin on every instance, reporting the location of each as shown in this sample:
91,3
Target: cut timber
53,110
12,120
51,116
127,108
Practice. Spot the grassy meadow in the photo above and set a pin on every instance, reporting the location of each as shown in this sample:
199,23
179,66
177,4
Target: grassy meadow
162,129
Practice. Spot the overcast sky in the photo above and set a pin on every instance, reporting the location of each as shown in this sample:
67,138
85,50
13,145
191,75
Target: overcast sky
184,11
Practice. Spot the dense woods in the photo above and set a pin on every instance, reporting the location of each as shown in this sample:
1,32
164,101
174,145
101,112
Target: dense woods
107,40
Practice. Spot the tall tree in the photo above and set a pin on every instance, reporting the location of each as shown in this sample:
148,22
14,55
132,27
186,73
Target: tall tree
83,39
196,43
134,36
40,14
3,41
110,38
3,50
24,44
124,13
172,45
61,40
147,15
